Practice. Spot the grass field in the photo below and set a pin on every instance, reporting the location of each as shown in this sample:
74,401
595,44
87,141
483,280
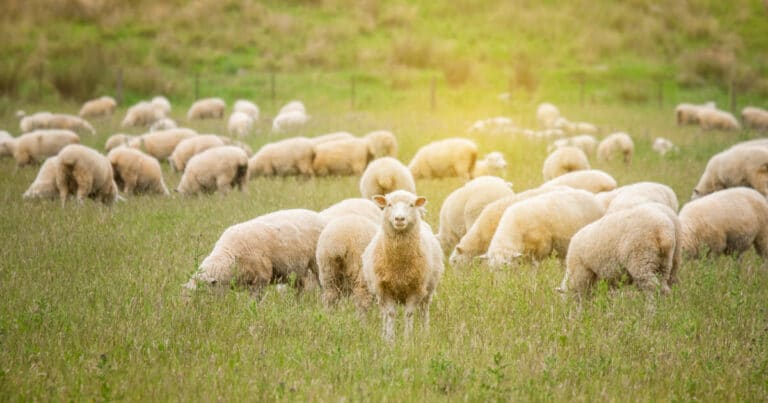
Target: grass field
93,310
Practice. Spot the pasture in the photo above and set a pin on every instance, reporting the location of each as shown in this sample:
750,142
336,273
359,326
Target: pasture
93,307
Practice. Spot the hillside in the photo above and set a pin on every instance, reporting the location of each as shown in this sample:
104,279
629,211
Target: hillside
76,49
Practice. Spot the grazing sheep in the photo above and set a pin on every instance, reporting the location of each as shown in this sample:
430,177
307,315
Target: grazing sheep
617,143
585,142
688,114
325,138
755,118
44,185
583,127
163,124
216,169
136,172
254,253
497,125
402,263
103,106
339,259
208,108
475,242
382,143
564,160
161,144
444,158
629,196
546,114
534,228
711,119
341,157
190,147
642,243
591,180
162,103
289,121
5,151
462,207
364,208
385,175
84,172
293,106
143,114
292,156
247,107
116,140
736,166
47,120
726,221
36,146
492,164
663,146
240,124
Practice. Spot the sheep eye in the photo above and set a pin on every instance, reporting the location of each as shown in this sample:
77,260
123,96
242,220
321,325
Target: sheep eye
389,204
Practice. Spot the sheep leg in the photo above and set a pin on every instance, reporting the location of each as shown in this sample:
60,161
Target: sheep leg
410,308
644,275
425,311
387,306
761,244
223,184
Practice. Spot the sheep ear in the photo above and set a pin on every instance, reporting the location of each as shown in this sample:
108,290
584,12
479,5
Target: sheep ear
380,201
459,250
420,201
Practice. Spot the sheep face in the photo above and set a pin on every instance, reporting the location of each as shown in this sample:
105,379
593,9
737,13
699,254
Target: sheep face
402,209
459,258
495,160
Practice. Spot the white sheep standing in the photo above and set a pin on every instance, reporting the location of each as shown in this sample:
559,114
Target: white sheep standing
247,107
161,103
662,146
47,120
382,143
726,221
462,207
619,143
385,175
207,108
36,146
240,124
292,156
741,165
591,180
494,126
44,185
276,247
688,114
189,147
143,114
339,259
136,172
102,106
160,144
629,196
642,242
341,157
546,114
564,160
289,121
492,164
585,142
293,106
84,172
534,228
364,208
755,118
403,263
711,119
216,169
116,140
163,124
444,158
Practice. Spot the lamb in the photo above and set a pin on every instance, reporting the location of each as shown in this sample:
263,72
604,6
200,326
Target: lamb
629,196
403,262
755,118
207,108
161,103
710,119
492,164
546,114
136,172
117,140
289,121
592,180
215,169
564,160
163,124
726,221
292,156
688,114
44,185
84,172
364,208
161,144
642,242
339,259
737,166
103,106
462,207
662,146
444,158
585,142
254,253
36,146
46,120
385,175
190,147
143,114
475,242
534,228
247,107
240,124
617,143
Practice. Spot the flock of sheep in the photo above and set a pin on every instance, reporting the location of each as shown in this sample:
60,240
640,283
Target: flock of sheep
377,247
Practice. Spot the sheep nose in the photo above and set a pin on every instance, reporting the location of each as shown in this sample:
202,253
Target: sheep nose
399,218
